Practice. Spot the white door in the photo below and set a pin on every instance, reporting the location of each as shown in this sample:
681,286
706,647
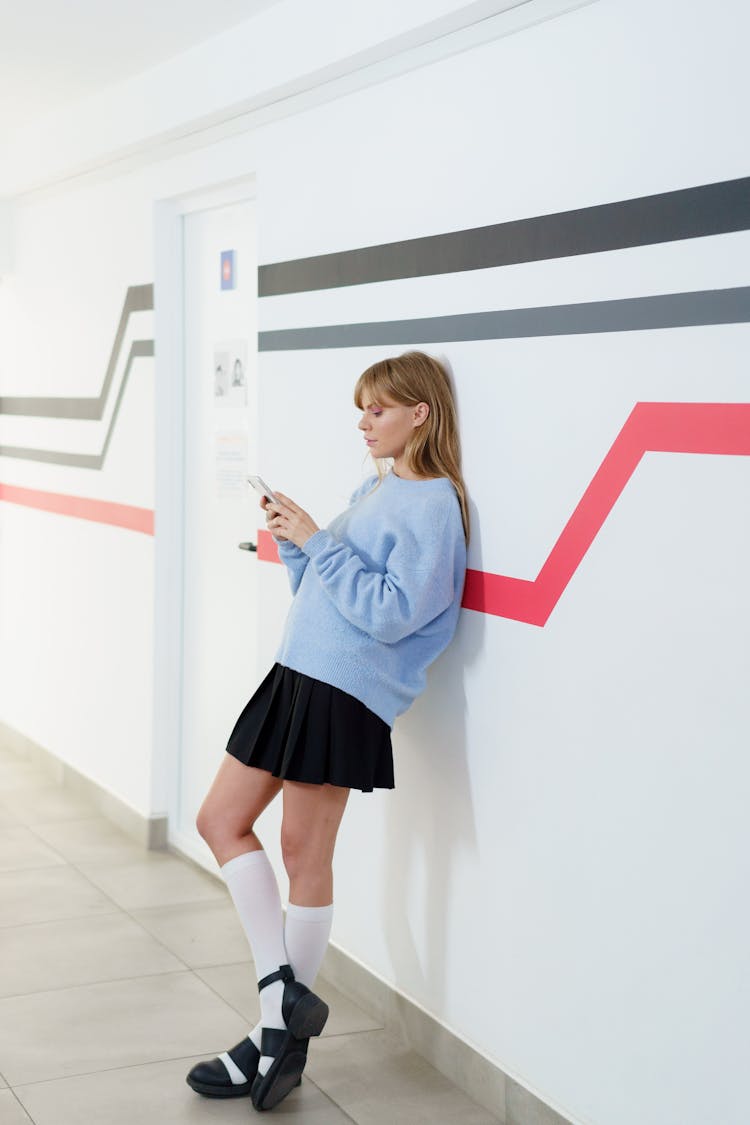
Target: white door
219,655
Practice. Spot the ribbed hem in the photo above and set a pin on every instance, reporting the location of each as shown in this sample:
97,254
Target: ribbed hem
247,859
337,673
309,913
317,542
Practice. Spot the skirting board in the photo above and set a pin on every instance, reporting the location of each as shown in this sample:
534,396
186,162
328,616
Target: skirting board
465,1067
489,1086
150,832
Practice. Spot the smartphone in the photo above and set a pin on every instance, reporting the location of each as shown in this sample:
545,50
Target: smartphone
260,486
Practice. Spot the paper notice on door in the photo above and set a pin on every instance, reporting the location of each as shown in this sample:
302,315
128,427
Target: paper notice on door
230,373
231,462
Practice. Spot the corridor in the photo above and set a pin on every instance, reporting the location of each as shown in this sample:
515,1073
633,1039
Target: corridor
121,968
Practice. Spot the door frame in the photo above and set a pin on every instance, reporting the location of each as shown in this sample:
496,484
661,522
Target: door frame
169,491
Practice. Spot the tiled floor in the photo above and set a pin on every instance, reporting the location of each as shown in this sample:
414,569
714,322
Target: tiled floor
120,968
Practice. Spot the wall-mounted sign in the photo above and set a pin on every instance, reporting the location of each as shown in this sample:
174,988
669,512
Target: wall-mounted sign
228,270
230,373
230,459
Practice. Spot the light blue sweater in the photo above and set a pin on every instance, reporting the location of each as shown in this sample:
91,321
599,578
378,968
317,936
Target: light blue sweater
378,592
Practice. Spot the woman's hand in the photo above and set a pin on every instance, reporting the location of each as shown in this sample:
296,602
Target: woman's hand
287,520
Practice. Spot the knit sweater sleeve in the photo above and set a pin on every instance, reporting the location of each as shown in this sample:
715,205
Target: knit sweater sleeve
294,559
416,586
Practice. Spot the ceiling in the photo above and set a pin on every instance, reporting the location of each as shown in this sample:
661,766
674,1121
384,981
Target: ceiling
52,52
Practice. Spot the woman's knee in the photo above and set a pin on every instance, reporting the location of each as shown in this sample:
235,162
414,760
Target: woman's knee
206,823
301,853
216,827
291,847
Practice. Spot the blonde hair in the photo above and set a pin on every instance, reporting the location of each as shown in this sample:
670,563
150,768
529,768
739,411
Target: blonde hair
434,448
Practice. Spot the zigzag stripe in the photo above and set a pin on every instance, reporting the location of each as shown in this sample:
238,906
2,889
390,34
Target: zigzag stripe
660,427
139,298
80,460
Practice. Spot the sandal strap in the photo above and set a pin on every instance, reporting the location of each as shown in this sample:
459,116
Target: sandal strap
272,1040
284,972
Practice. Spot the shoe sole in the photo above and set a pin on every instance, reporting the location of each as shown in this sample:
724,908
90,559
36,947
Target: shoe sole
287,1076
207,1091
307,1019
224,1091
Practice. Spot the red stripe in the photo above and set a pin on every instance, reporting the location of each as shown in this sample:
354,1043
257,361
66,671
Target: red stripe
100,511
268,551
661,427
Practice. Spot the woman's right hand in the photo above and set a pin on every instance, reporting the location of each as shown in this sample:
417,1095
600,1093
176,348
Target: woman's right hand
270,517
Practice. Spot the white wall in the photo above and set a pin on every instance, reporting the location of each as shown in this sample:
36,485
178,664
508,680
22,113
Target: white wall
6,248
559,874
77,601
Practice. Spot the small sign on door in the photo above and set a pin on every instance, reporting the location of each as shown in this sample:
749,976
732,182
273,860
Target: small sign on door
228,270
230,373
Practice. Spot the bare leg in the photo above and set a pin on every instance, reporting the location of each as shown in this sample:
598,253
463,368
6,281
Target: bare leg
312,815
237,797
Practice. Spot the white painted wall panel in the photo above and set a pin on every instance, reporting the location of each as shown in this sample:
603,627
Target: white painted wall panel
568,813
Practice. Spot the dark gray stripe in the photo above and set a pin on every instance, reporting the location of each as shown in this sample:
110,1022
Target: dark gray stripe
687,213
84,460
633,314
138,298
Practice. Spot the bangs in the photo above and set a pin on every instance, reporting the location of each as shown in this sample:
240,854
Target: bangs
374,382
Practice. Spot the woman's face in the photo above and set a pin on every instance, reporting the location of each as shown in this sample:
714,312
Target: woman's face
387,426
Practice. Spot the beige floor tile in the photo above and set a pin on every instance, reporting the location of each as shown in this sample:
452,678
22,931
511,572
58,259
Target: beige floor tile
117,1024
155,879
157,1094
45,893
7,817
91,840
17,774
73,951
377,1079
45,803
201,934
11,1111
237,984
21,850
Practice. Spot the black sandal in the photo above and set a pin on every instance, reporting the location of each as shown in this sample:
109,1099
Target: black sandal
212,1078
305,1015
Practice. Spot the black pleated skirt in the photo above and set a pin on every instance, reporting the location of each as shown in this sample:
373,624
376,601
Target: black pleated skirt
302,729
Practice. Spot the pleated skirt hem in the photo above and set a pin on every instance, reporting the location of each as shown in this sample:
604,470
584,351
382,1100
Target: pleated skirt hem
301,729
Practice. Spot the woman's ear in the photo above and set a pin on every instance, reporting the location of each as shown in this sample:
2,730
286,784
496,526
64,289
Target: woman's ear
421,413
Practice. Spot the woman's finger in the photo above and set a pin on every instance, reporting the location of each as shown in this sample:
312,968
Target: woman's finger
287,503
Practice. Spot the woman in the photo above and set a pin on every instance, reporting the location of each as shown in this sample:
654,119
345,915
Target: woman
376,598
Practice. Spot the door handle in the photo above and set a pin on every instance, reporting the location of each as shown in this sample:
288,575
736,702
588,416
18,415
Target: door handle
248,547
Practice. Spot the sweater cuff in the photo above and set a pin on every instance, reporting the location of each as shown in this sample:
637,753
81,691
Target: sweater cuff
285,547
317,542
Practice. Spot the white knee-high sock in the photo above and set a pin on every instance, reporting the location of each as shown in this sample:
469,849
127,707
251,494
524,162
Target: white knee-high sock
255,894
306,935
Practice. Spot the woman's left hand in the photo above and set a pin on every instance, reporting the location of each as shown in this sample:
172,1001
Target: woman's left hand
289,520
